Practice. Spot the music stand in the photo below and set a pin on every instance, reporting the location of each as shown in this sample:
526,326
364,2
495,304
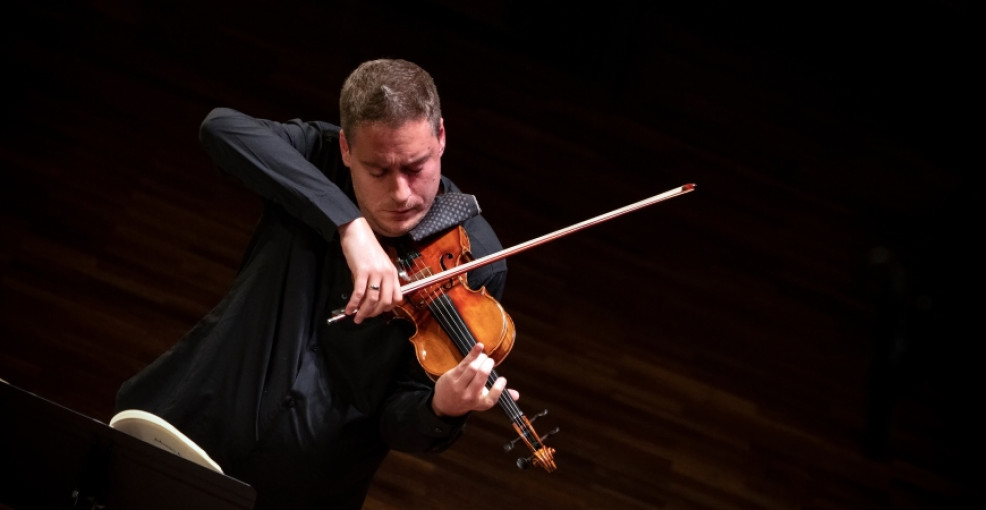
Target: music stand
56,458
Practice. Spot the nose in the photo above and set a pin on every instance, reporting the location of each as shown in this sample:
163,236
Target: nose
400,188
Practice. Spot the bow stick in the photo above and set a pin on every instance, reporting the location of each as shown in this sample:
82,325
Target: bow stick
493,257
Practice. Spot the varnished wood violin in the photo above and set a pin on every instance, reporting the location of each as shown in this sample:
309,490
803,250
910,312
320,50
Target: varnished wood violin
450,319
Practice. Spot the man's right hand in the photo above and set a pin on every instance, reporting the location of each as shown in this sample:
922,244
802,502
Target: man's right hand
376,287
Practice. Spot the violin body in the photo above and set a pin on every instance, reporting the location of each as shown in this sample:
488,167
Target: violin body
450,304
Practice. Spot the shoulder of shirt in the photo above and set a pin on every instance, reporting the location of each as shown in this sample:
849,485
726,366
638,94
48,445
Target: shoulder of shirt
328,129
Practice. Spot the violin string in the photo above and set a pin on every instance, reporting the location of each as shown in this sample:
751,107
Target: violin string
444,312
442,306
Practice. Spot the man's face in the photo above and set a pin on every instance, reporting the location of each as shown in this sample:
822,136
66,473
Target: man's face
396,173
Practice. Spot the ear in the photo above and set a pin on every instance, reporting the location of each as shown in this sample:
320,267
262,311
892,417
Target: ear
441,135
344,148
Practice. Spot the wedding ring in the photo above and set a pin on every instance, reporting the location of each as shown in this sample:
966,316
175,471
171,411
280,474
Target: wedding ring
374,287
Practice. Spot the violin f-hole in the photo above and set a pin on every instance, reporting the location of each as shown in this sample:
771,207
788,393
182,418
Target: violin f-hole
441,262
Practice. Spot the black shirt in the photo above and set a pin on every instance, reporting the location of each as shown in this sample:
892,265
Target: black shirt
301,410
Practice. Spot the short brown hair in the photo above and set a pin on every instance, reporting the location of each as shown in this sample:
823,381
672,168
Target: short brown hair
392,91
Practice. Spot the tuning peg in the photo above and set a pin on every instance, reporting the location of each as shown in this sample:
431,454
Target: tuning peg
509,445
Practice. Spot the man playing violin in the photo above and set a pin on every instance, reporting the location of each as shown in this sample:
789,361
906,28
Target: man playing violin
302,410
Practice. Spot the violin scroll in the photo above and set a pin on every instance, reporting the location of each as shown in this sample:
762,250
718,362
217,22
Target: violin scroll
542,456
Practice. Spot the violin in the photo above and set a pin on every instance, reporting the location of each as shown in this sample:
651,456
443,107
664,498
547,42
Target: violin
450,318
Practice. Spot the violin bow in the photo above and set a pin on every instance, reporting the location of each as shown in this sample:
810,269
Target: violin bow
502,254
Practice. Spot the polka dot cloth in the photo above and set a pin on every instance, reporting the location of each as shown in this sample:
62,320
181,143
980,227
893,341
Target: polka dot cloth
449,209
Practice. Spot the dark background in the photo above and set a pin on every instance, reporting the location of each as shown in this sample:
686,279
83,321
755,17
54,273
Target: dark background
796,333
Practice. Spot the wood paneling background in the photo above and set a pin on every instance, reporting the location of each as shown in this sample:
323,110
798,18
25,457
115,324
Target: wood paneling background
793,334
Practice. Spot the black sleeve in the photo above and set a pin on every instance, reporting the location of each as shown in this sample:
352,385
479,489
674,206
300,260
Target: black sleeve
278,162
409,424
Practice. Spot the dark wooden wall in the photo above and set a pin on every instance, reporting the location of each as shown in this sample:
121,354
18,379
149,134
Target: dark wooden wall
791,335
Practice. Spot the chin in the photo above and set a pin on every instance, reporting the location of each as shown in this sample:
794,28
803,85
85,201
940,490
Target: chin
395,230
397,226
